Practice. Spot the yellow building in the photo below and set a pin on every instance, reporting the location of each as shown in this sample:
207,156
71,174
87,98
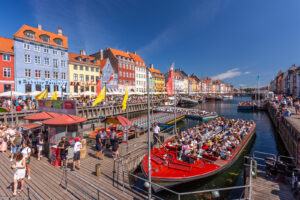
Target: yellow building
193,84
84,71
159,80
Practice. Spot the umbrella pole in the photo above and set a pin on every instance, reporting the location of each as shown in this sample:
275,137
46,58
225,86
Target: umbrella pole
11,108
149,135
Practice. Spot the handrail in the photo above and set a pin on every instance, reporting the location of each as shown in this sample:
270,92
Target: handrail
88,183
30,190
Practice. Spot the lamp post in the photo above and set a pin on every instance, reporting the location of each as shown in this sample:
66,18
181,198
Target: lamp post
63,87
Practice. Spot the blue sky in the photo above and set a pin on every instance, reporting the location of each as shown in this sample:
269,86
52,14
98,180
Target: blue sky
229,39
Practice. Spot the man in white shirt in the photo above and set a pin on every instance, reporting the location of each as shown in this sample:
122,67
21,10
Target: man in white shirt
156,131
77,147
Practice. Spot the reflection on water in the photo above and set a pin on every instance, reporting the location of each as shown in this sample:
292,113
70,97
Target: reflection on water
264,141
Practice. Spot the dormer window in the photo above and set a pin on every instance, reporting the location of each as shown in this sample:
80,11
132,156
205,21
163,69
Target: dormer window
86,60
29,34
45,38
79,58
58,41
93,61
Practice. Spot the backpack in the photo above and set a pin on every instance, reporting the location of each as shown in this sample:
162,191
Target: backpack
18,140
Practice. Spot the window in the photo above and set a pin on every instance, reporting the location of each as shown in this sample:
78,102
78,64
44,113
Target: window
123,74
29,34
37,48
55,75
55,63
86,68
37,73
63,63
81,89
6,57
81,77
46,50
76,88
27,73
62,53
47,74
86,60
87,77
92,78
81,67
129,75
56,88
120,73
92,89
55,52
87,88
126,74
58,41
97,69
46,61
6,72
45,38
38,87
27,58
120,81
26,46
27,88
75,67
63,76
37,60
48,88
126,66
92,69
75,77
7,87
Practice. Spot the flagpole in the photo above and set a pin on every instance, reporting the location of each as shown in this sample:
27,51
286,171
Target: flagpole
127,120
174,100
11,108
149,137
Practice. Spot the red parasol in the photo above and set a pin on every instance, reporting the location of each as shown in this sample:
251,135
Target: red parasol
117,120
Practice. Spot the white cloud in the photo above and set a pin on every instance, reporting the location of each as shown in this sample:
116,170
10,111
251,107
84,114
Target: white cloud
247,72
229,74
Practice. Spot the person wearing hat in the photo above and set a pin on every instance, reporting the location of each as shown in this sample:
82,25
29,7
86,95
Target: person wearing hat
156,131
77,147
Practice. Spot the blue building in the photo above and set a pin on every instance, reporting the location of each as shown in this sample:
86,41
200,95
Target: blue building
107,71
41,60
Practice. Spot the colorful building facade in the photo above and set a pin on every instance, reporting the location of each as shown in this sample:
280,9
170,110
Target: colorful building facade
158,80
106,73
41,60
7,81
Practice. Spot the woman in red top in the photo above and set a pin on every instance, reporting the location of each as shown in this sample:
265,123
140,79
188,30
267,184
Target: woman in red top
18,107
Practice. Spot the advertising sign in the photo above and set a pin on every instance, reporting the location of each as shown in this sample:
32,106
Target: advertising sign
58,106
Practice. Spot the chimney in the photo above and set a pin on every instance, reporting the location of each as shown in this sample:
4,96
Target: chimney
101,54
82,52
135,53
127,51
39,27
151,66
59,31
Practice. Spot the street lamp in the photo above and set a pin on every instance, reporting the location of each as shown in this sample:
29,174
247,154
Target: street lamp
63,87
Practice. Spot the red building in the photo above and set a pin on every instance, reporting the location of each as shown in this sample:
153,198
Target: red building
7,82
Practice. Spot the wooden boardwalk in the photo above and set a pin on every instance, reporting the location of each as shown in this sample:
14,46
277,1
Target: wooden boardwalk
48,181
268,189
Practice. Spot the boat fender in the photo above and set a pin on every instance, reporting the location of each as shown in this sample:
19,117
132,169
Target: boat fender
165,163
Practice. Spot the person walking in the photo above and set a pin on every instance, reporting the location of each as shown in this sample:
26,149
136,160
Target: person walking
297,106
39,146
77,147
115,146
15,142
99,146
156,131
26,152
19,174
64,146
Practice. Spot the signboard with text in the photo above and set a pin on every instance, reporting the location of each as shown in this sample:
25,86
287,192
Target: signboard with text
58,106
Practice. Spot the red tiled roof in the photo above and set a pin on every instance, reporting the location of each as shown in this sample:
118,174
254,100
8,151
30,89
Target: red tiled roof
6,45
31,126
138,58
117,52
129,55
73,56
42,116
38,33
154,70
102,63
65,120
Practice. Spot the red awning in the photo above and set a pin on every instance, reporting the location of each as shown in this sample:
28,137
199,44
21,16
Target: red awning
117,120
42,116
65,120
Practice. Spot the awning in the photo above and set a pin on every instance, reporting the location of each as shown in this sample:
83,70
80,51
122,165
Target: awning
117,120
65,120
42,116
31,126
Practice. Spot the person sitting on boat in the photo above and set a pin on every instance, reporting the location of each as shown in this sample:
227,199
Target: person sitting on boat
185,150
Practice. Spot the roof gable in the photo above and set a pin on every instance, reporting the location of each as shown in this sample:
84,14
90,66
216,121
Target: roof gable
7,45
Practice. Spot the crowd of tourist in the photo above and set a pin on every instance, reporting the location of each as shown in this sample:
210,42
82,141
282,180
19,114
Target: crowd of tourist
286,105
18,104
217,138
185,111
245,103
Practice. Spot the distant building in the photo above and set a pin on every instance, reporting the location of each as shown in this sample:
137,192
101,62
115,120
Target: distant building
158,80
7,82
185,79
84,71
41,60
140,73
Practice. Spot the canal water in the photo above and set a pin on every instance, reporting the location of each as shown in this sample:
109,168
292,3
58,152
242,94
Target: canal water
265,141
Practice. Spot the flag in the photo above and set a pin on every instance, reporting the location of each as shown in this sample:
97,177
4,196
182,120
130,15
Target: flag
111,78
98,87
54,96
125,100
258,77
100,97
170,83
42,95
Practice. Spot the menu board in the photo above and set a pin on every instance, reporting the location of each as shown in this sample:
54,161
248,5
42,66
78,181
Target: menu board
58,106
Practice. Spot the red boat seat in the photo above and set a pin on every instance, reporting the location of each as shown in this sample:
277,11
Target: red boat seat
179,166
209,157
158,160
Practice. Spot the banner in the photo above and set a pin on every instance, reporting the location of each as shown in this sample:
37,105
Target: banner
170,83
58,106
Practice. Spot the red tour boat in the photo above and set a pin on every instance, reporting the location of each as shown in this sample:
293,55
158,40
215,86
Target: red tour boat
168,170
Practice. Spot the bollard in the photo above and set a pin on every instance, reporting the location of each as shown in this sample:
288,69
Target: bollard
98,170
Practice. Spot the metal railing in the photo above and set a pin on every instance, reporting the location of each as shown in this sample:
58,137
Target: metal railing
99,191
31,191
